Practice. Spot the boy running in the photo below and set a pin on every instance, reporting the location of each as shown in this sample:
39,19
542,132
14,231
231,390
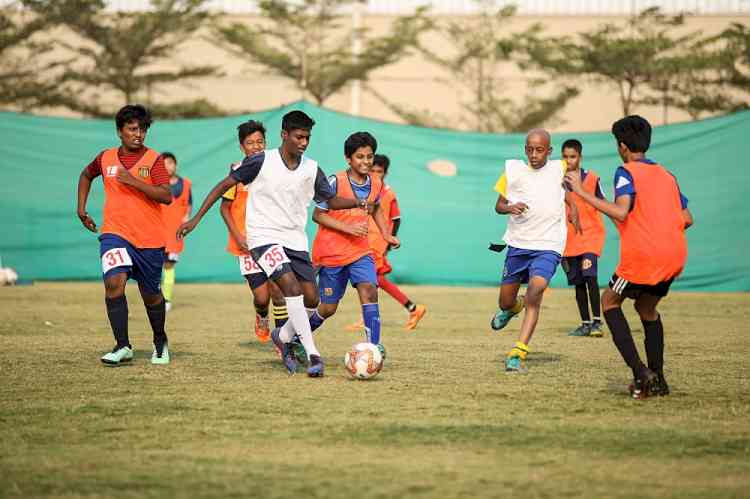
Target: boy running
282,183
174,214
341,247
136,184
533,195
252,137
582,250
651,215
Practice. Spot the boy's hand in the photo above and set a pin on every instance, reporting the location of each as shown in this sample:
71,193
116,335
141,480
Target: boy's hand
573,181
87,221
186,229
393,242
124,176
241,243
517,208
574,219
359,230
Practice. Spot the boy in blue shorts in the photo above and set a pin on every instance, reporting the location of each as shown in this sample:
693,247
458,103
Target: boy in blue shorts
533,195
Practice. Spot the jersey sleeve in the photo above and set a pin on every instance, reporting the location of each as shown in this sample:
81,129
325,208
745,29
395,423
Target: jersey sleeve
683,199
94,169
159,173
598,191
501,186
623,183
330,182
249,169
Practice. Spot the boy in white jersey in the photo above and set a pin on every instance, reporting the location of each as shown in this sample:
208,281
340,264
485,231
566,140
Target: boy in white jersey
281,185
533,195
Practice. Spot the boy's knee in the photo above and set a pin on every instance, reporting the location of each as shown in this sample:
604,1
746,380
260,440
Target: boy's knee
610,300
369,292
647,311
327,309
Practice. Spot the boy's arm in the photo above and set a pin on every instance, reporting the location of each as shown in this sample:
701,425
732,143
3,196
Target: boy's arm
504,207
226,214
573,212
382,224
84,187
160,193
320,217
211,198
618,210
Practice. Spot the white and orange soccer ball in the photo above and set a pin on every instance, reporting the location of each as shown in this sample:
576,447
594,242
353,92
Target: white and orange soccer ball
363,361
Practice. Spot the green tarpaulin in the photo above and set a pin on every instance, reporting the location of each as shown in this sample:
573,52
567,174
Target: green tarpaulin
448,221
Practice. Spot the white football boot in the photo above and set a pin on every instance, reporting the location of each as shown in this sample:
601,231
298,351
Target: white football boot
118,356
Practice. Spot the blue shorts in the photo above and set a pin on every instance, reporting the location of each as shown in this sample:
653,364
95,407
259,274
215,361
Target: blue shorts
523,264
142,264
332,280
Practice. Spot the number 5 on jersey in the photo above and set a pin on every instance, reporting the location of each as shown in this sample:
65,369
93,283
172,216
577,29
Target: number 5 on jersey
116,257
273,258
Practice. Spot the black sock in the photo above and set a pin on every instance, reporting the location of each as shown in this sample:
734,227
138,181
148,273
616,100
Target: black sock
593,286
410,306
620,330
583,302
654,343
117,312
157,316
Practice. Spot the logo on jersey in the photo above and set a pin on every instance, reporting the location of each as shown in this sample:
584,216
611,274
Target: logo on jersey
111,171
144,171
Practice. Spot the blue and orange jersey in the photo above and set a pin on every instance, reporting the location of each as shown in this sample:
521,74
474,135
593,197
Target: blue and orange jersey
388,204
176,212
593,233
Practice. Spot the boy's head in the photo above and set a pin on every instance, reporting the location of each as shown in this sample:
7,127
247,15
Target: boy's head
538,147
252,136
633,135
380,164
295,131
132,123
170,163
359,150
571,153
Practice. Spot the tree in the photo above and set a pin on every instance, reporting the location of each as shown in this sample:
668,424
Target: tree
27,73
483,49
121,51
307,41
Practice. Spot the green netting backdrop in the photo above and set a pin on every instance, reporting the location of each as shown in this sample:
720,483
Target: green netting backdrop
447,221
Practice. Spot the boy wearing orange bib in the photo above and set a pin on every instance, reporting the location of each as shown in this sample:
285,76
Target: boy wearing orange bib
136,184
341,247
651,215
252,137
174,214
582,249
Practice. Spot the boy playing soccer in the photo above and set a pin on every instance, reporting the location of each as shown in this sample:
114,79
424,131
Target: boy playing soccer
282,183
136,184
341,247
174,214
252,137
582,250
651,215
533,195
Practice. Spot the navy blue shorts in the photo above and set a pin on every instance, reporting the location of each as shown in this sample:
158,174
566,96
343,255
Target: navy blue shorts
579,268
332,280
142,264
275,260
523,264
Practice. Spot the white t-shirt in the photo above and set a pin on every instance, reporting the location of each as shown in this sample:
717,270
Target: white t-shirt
543,225
278,198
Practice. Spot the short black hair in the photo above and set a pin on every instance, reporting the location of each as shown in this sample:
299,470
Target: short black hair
296,120
572,144
382,160
168,154
357,140
634,131
133,112
250,127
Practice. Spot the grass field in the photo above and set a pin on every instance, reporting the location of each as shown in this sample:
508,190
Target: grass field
442,420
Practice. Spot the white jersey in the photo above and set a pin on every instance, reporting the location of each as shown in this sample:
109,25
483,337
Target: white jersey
278,198
543,226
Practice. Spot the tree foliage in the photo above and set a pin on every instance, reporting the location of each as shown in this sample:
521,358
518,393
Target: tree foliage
310,42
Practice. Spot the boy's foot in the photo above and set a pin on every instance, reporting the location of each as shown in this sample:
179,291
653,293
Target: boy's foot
645,385
582,330
596,329
514,365
117,356
167,305
287,357
316,367
298,350
415,317
355,327
160,355
661,388
503,317
262,330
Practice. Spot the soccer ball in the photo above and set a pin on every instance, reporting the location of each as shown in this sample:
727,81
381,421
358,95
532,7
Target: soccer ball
8,276
363,361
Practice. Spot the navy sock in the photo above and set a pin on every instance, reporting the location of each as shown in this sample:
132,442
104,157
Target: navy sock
654,343
371,315
117,312
315,320
583,302
623,339
157,317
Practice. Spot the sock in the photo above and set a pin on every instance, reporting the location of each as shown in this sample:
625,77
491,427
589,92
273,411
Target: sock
157,317
300,324
596,308
583,302
393,290
371,316
654,343
117,312
316,320
410,307
520,350
261,310
623,339
167,285
280,315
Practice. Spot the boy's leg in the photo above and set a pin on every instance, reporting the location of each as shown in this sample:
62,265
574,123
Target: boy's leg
117,307
280,314
533,305
117,265
593,290
364,278
510,305
261,301
168,278
416,310
653,328
573,270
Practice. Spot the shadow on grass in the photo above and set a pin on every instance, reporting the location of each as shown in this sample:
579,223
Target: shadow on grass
544,358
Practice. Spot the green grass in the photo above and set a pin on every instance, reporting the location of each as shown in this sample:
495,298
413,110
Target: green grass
442,420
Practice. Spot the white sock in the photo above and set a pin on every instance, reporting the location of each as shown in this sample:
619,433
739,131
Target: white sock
301,323
286,333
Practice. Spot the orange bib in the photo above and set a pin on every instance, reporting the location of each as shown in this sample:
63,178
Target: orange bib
592,225
332,248
173,215
128,212
377,243
237,211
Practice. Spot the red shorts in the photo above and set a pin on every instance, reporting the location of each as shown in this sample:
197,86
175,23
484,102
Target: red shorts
382,265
